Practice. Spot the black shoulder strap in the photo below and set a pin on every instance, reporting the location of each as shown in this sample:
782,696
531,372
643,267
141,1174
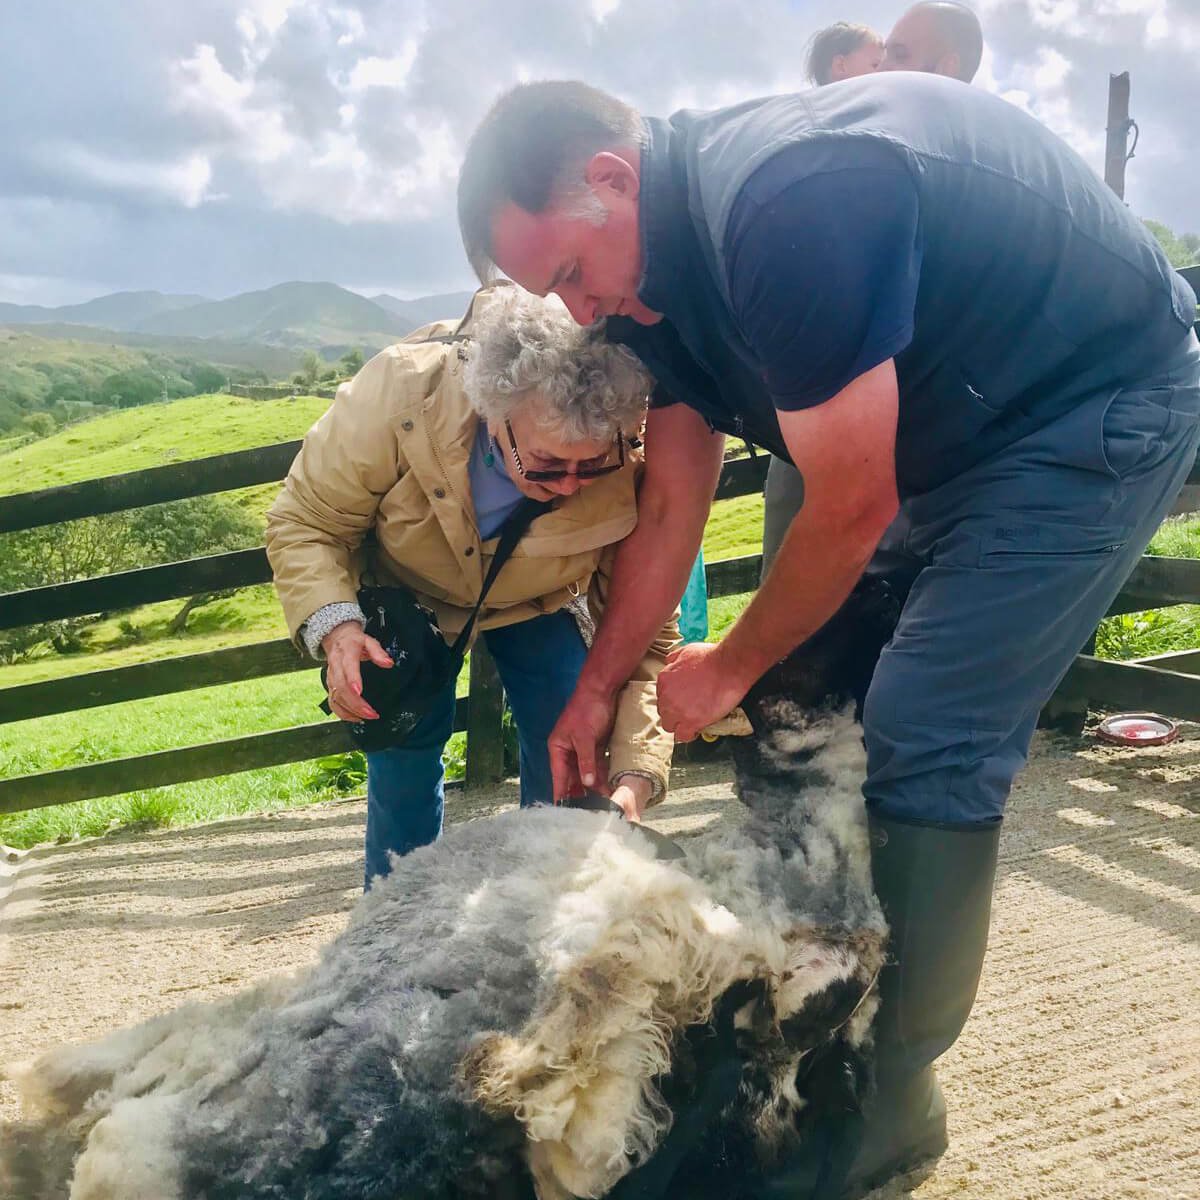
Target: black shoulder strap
510,535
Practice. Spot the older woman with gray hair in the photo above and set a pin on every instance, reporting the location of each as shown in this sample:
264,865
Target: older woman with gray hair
431,447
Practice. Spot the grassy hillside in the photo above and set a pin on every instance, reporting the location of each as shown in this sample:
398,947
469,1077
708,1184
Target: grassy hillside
243,356
48,380
35,371
153,435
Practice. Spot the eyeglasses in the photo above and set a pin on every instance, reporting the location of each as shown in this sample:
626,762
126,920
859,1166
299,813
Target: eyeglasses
580,472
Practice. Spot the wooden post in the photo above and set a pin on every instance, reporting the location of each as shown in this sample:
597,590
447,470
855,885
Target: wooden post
1065,713
1116,151
485,711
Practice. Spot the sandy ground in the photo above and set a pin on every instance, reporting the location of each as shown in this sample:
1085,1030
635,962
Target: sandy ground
1077,1076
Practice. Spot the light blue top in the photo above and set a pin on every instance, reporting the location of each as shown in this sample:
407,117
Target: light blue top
493,492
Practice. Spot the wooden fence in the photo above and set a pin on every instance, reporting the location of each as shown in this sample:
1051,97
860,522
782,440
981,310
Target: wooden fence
1169,683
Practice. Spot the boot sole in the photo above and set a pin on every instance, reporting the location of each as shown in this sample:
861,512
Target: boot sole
922,1155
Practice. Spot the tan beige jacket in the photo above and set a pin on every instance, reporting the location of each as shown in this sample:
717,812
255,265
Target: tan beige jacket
391,454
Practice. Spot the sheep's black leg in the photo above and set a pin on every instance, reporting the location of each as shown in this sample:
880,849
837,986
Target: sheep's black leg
718,1075
835,665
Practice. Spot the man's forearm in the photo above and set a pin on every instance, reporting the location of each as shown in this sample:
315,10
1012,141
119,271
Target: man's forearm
813,573
845,449
651,566
650,571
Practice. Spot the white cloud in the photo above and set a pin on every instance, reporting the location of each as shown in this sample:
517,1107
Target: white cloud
383,72
343,121
205,88
1039,87
269,14
1057,15
1153,12
1051,70
1111,22
184,181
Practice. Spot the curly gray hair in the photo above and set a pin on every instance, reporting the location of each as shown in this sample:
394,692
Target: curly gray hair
529,349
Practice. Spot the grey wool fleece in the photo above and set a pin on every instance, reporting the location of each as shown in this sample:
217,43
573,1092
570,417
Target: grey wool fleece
517,1011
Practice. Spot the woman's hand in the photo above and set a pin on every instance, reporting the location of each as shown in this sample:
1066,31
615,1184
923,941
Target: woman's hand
631,795
345,646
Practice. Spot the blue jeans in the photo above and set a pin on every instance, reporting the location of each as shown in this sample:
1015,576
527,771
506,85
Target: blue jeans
1009,568
539,661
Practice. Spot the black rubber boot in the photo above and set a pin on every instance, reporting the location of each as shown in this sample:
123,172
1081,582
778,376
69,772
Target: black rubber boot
935,884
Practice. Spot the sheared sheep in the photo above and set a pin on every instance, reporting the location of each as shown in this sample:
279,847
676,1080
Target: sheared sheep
533,1006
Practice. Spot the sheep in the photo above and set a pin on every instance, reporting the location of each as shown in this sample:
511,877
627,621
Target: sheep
534,1006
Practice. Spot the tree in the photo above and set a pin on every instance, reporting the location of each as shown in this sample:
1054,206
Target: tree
115,542
352,361
40,424
129,389
205,378
187,528
1181,249
310,368
59,554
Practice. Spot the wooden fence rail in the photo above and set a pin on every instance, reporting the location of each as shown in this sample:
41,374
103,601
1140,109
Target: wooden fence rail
1171,685
136,489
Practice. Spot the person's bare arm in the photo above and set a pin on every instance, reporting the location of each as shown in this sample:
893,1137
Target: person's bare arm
650,571
845,450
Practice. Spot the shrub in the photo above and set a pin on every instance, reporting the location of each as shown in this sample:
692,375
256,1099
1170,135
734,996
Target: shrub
339,772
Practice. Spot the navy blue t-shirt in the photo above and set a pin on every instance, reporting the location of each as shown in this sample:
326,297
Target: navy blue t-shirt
793,243
824,253
824,256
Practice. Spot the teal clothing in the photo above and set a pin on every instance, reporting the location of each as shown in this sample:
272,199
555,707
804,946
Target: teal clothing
693,608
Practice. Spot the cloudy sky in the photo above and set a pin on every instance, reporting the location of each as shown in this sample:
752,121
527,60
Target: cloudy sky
217,146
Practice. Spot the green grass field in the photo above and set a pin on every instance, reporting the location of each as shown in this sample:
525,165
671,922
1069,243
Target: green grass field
154,435
211,714
200,426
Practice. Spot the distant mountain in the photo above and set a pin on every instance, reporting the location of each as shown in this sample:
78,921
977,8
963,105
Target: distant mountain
425,308
290,315
120,310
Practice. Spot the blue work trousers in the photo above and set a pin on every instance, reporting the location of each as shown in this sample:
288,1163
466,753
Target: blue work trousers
539,662
1009,568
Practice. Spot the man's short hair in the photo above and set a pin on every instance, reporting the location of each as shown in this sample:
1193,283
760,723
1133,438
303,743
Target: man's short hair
960,27
530,148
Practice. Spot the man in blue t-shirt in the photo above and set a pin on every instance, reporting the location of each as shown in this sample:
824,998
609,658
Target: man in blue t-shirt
982,366
937,37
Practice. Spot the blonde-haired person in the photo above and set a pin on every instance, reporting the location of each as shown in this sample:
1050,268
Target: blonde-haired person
432,446
842,51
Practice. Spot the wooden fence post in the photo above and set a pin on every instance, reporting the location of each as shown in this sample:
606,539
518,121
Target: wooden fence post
1116,147
485,713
